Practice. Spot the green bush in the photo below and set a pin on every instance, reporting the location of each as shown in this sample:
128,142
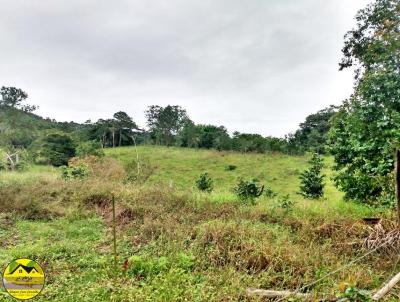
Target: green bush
137,266
312,181
89,148
353,294
286,203
248,190
57,148
185,261
204,183
78,172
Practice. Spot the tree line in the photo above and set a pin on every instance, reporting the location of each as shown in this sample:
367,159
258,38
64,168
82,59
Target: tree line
21,129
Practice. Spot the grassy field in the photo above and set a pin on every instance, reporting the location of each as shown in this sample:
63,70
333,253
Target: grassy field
180,244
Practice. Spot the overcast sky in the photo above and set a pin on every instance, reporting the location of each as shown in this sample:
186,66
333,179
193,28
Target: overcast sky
257,66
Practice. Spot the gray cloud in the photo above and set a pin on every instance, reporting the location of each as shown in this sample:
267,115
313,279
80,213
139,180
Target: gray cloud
253,66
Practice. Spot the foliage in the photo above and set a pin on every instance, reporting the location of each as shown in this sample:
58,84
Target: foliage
140,267
14,97
124,125
313,132
204,183
75,172
286,203
165,122
248,190
186,261
57,148
312,181
14,159
353,294
270,193
245,142
89,148
217,137
366,130
117,131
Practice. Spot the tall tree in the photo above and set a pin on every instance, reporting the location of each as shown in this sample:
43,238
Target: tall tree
165,122
56,148
16,130
14,98
366,130
313,132
124,124
101,130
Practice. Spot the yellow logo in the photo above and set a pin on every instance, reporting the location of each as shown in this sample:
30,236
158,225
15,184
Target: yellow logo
23,279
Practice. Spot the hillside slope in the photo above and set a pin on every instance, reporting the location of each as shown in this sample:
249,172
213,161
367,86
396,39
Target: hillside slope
177,244
180,167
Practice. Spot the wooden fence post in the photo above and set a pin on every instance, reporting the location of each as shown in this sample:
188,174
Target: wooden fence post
114,234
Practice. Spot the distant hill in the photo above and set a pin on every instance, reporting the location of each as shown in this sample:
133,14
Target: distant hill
20,128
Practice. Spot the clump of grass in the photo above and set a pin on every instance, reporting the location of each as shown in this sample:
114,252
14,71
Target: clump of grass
270,193
103,168
230,167
138,171
33,201
139,267
286,203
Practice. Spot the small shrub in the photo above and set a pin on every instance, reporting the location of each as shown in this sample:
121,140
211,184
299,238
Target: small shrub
230,167
76,172
248,190
312,181
89,148
286,203
270,193
185,261
139,267
57,148
204,183
351,293
22,165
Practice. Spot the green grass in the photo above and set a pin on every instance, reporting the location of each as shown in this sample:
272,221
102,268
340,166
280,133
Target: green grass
31,174
184,245
180,168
